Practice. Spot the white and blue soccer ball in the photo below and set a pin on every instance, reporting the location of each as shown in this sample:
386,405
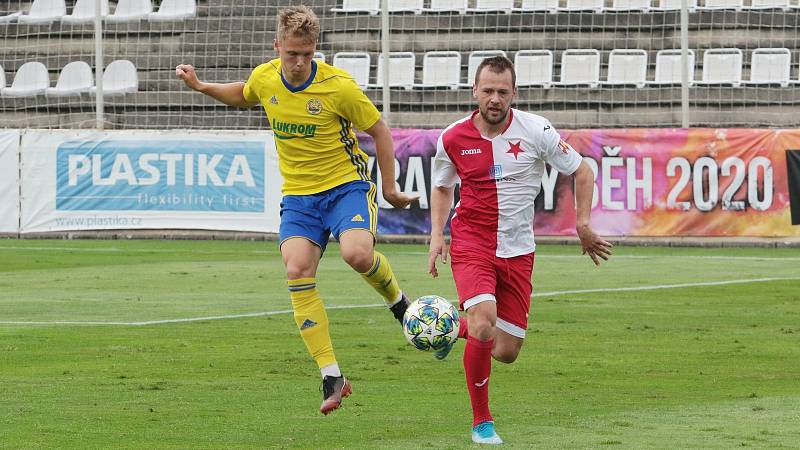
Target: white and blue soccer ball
431,323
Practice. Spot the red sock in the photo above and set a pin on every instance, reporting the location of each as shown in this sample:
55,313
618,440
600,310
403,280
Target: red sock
462,327
478,367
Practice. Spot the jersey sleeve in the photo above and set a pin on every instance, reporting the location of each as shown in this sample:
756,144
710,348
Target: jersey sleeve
251,87
558,153
444,171
355,106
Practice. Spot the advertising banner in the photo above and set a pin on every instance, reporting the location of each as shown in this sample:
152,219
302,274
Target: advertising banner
78,180
9,181
649,182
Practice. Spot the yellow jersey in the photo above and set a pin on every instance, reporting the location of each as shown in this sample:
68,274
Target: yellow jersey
313,125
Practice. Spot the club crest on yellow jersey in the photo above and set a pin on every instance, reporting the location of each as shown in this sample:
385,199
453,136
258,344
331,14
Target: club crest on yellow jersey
314,106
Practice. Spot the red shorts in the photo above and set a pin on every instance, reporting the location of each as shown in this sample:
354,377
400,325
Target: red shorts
480,276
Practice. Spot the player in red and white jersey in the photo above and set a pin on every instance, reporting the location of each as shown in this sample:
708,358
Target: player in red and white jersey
499,155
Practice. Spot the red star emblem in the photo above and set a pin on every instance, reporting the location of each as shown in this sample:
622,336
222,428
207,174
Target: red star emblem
515,149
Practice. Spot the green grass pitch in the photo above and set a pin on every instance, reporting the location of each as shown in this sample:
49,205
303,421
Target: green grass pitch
652,357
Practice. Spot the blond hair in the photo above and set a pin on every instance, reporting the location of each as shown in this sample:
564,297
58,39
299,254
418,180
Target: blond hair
298,21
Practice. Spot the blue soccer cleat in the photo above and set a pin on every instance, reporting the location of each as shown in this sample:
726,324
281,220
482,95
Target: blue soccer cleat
483,433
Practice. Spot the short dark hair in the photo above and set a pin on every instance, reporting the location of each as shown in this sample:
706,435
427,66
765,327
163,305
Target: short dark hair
497,64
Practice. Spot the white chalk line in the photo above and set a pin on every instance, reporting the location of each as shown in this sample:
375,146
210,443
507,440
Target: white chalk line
276,251
288,311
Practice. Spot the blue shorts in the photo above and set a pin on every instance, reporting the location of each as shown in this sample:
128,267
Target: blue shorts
315,216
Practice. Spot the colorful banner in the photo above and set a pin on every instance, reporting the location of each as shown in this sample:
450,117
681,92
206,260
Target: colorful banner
650,182
75,180
9,181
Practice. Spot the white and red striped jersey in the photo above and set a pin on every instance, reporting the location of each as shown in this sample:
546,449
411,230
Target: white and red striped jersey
500,178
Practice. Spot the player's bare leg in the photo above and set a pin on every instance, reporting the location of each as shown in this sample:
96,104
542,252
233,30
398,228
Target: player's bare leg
301,258
358,251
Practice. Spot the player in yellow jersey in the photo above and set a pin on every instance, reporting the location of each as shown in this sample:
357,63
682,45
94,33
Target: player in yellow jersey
312,108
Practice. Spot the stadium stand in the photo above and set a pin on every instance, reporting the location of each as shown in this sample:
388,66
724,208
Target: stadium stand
429,50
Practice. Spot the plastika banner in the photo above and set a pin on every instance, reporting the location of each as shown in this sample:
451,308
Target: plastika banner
9,181
649,182
129,180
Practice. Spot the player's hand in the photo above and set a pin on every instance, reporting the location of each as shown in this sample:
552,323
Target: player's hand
438,248
399,200
596,247
187,73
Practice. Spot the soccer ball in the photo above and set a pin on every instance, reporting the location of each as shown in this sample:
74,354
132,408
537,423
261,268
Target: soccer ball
430,323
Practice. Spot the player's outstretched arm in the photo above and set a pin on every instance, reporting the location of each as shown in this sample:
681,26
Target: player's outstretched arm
384,153
441,199
231,94
596,247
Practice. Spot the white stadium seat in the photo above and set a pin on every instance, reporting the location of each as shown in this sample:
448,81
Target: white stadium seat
31,79
668,66
723,4
358,6
83,12
770,66
402,69
673,5
441,69
130,11
75,77
584,5
174,10
459,6
630,5
119,78
319,56
538,5
356,64
627,67
534,68
44,11
414,6
493,6
475,59
768,4
10,17
580,67
722,66
2,80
